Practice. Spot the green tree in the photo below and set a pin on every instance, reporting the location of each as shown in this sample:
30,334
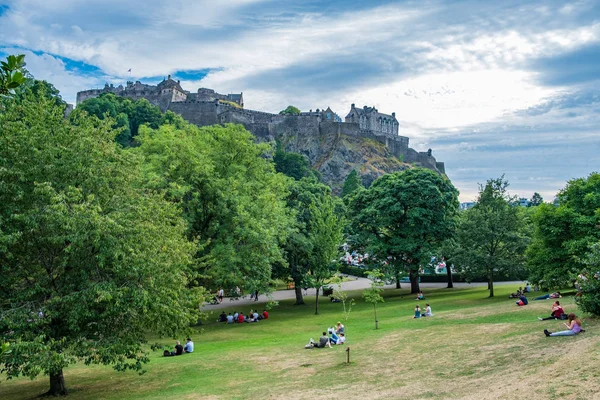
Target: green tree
352,183
294,165
536,200
290,110
90,262
402,218
128,115
490,237
589,280
373,293
12,74
325,234
230,195
563,234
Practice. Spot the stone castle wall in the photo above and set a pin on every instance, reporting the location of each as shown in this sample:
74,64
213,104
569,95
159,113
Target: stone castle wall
307,131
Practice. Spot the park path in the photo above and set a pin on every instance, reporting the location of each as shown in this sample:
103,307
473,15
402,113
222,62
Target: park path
353,284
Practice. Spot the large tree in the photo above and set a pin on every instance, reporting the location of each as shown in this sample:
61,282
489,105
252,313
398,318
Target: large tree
402,218
563,234
231,197
89,260
490,236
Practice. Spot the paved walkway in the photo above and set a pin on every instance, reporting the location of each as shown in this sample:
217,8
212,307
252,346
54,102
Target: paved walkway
354,284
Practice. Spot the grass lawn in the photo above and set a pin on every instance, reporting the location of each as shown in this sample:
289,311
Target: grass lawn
473,348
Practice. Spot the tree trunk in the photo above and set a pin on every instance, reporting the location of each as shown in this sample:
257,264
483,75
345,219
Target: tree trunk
491,283
414,282
375,311
57,384
398,281
449,273
317,302
299,298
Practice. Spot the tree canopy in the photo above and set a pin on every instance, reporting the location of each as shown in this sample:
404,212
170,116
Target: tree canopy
352,183
490,237
90,261
290,110
563,235
402,217
12,74
232,199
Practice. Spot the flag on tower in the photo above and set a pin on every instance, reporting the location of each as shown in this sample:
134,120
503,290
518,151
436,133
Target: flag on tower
129,70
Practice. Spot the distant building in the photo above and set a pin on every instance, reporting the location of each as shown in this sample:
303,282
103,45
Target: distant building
467,205
326,115
369,118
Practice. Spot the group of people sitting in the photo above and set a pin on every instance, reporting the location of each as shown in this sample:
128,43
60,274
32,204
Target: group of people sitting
253,316
179,349
427,313
520,292
573,324
336,336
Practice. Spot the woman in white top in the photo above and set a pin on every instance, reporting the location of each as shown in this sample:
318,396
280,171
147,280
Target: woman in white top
427,312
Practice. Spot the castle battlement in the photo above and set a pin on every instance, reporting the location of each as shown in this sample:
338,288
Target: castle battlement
207,107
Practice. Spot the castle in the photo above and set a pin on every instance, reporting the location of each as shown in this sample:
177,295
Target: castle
207,107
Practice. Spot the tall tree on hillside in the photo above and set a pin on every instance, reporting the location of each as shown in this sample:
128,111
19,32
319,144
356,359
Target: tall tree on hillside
563,234
352,183
89,261
536,200
402,218
294,165
490,237
231,197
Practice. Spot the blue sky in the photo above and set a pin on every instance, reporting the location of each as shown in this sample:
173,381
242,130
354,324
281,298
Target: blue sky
507,87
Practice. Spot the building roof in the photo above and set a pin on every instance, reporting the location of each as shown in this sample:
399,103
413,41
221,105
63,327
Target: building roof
371,111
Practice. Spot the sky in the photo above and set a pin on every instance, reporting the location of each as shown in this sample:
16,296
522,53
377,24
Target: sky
492,87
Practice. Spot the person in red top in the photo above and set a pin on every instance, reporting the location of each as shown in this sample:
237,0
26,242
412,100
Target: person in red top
241,318
265,314
557,312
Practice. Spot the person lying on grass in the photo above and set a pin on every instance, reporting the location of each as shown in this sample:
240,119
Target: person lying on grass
323,342
557,312
574,325
555,295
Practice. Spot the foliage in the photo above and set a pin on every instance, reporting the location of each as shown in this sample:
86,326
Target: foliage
231,198
402,218
294,165
490,236
128,115
536,200
89,261
11,74
230,103
373,293
589,280
563,234
325,234
347,303
290,110
352,183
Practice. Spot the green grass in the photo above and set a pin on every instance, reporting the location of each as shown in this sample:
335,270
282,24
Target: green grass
474,347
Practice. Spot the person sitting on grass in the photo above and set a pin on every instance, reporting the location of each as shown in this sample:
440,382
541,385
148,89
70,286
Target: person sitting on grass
420,296
555,295
427,312
339,328
240,317
189,346
574,325
230,319
417,312
178,350
522,301
235,316
557,312
265,314
222,317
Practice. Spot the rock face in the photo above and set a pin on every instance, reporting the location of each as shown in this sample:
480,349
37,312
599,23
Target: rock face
367,141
